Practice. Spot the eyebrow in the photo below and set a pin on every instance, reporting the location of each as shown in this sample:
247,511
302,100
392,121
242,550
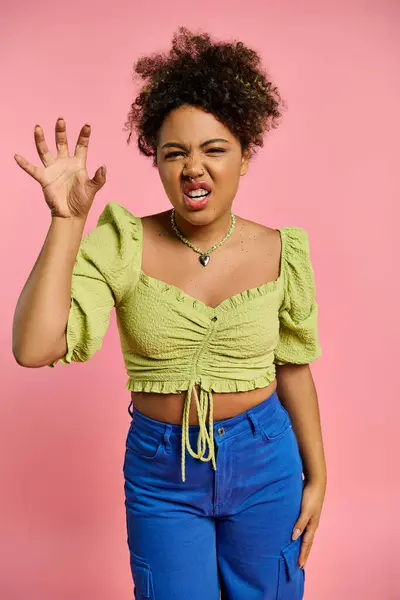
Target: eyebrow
177,145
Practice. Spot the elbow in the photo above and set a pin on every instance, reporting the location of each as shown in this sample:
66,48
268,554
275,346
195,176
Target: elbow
31,363
24,361
35,361
22,350
20,359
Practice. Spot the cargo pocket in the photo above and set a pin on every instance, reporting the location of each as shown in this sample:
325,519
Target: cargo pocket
291,577
142,579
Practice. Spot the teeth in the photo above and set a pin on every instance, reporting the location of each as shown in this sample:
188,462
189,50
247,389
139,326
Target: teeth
197,193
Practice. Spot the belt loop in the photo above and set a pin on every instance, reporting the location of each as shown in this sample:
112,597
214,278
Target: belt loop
129,407
254,422
167,434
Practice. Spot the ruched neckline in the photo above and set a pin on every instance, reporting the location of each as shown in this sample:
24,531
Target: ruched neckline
176,293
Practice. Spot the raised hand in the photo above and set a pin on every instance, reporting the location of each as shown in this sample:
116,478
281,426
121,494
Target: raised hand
67,189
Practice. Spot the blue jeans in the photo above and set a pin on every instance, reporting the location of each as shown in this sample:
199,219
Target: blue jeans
222,532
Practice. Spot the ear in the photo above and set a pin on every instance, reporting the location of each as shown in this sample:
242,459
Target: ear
244,167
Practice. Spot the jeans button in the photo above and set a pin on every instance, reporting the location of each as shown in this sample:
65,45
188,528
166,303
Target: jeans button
221,431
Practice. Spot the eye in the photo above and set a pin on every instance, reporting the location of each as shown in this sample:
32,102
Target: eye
174,154
216,150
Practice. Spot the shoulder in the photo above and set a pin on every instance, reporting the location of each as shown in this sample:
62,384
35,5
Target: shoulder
259,234
116,239
119,215
294,236
297,266
295,245
158,224
115,224
289,245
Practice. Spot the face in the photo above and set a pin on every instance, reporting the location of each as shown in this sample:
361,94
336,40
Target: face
195,148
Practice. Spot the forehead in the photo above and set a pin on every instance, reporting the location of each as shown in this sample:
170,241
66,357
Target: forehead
192,125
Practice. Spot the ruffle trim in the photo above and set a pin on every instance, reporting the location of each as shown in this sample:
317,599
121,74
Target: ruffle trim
207,384
176,293
295,249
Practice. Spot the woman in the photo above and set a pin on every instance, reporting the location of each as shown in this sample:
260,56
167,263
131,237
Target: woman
218,324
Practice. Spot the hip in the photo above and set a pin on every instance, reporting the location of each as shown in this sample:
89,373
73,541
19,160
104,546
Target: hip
256,453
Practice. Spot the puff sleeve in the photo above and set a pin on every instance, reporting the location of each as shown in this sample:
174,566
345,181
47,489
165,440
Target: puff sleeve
107,264
298,314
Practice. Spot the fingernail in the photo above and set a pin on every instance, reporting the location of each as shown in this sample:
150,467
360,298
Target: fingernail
296,534
104,169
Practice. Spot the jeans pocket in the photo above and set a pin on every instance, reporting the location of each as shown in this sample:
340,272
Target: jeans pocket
145,443
277,425
291,577
142,579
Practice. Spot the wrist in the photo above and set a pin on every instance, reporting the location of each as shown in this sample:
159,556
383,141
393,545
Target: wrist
69,222
317,475
319,480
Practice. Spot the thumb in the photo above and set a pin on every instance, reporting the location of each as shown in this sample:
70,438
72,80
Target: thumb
99,178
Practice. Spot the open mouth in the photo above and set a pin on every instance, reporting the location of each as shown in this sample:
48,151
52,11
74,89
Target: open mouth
196,199
197,195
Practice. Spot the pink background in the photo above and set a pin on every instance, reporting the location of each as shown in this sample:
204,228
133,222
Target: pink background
331,167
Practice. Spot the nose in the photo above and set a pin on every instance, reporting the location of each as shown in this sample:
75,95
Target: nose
193,169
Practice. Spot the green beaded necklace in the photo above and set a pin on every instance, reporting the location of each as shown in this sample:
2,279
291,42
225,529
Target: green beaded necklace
204,256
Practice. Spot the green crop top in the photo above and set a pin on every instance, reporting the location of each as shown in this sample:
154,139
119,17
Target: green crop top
171,341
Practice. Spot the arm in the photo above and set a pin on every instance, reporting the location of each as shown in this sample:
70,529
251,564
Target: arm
296,391
42,310
41,315
298,346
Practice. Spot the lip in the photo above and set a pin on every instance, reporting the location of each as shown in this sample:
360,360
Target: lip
196,204
190,187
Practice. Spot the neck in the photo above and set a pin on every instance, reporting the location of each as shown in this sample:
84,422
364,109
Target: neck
204,235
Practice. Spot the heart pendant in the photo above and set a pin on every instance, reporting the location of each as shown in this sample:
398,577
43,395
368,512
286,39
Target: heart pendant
204,259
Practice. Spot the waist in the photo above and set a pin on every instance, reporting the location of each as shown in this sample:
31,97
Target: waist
263,411
168,408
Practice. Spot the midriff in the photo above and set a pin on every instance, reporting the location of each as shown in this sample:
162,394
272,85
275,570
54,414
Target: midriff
169,407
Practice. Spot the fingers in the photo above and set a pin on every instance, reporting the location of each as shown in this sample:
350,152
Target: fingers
26,166
45,156
61,139
306,543
99,177
306,528
82,144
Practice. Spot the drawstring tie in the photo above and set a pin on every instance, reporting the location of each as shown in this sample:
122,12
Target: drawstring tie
205,438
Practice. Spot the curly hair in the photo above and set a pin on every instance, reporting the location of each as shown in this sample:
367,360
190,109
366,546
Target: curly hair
224,79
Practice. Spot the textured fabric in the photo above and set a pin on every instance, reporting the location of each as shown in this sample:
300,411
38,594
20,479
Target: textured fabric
225,531
171,341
